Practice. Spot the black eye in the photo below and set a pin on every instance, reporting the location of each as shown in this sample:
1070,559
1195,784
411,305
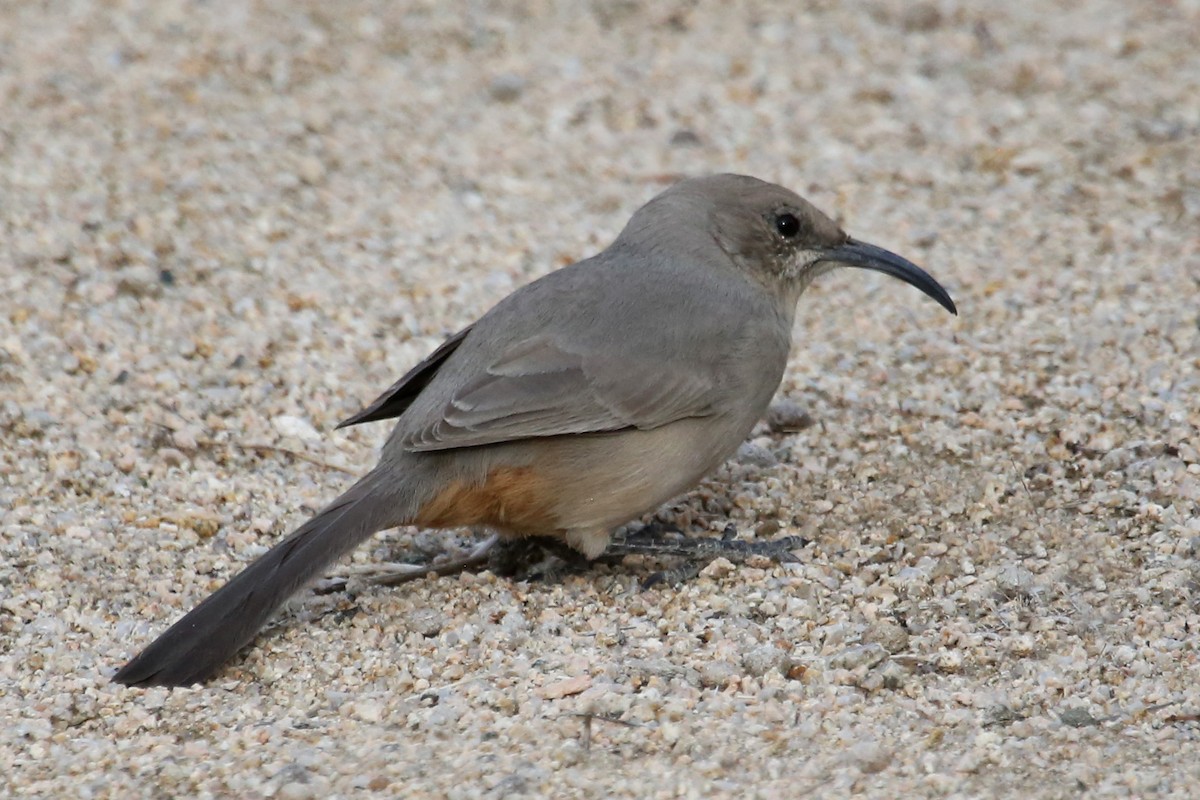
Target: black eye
787,225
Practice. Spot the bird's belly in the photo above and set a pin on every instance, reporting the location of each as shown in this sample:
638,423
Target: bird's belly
577,487
605,480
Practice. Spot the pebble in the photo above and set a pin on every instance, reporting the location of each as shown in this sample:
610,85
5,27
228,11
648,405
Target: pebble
138,281
507,87
866,655
787,416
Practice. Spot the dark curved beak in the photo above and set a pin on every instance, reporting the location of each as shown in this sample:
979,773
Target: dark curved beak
853,253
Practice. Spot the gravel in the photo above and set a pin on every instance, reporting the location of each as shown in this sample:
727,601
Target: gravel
226,226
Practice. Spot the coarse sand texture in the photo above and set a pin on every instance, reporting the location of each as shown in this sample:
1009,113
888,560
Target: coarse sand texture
226,226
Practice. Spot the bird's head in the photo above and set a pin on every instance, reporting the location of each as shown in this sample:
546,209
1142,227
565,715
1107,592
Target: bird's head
775,235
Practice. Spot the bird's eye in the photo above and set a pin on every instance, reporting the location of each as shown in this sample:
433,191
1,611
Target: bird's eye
787,225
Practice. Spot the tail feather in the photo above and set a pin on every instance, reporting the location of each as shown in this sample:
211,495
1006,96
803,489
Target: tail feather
195,647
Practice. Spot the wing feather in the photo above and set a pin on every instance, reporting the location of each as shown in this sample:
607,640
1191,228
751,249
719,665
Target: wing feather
539,388
400,395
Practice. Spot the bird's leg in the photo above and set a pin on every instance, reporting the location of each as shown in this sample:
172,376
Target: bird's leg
393,573
657,539
529,558
549,558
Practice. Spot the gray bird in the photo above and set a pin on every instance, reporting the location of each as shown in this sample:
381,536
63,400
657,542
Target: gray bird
579,402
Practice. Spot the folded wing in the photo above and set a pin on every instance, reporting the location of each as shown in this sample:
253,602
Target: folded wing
399,396
541,388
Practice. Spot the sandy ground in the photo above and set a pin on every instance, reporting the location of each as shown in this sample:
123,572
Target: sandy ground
225,226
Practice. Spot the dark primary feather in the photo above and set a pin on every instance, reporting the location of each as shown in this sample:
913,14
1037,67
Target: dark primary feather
398,397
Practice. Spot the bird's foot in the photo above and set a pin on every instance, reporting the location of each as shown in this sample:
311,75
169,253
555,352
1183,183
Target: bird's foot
531,558
660,540
547,559
657,539
536,558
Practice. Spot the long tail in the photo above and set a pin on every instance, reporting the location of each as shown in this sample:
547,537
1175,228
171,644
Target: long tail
192,649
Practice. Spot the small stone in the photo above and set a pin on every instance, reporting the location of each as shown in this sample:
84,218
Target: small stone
685,138
204,523
426,622
761,660
311,170
566,688
138,281
367,711
1077,718
892,674
290,426
1123,655
716,674
185,439
889,635
949,661
863,655
1015,581
295,790
719,567
799,671
506,87
921,17
787,416
870,756
757,455
1021,644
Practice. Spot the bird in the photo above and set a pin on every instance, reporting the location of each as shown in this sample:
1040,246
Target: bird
577,403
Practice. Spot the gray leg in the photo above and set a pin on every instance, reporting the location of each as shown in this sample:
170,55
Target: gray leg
655,539
660,540
547,558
